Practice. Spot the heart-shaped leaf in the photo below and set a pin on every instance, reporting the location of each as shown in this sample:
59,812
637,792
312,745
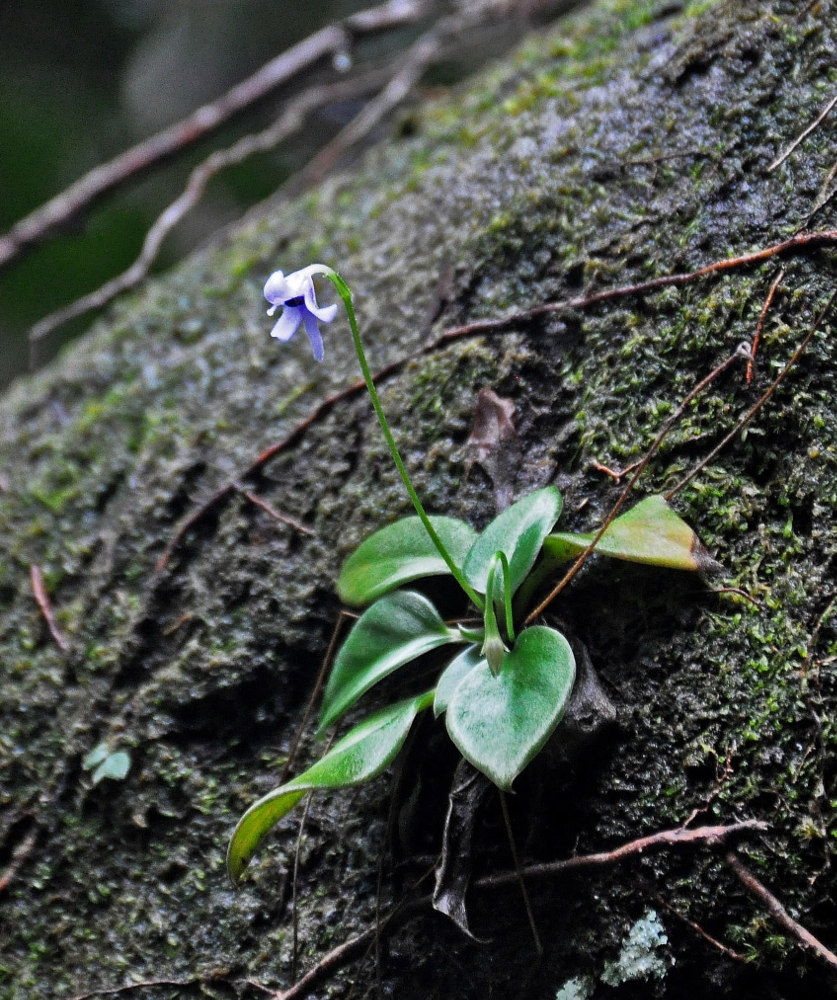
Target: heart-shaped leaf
399,553
651,532
452,675
362,754
397,628
518,533
500,723
107,763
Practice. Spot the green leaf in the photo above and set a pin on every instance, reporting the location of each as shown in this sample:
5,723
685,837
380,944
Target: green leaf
115,766
399,553
397,628
108,764
453,674
500,723
95,756
362,754
651,532
518,533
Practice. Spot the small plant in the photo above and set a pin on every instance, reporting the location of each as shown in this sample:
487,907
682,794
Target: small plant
508,682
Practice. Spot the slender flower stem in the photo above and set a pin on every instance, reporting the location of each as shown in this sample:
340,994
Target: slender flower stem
346,295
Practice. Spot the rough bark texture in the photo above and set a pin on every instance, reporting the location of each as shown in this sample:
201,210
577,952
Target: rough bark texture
631,141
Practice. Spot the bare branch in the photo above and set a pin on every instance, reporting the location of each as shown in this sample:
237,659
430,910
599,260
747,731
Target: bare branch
681,836
43,601
772,904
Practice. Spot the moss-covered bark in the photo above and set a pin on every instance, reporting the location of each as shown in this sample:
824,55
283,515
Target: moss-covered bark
628,143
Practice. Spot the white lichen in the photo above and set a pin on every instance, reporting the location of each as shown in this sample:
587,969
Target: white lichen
642,955
577,988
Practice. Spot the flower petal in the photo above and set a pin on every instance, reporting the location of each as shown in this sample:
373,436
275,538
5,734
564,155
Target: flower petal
286,326
276,289
324,313
313,330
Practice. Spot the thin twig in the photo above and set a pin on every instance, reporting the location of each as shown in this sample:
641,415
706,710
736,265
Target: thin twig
42,597
413,64
275,514
20,853
145,984
802,136
739,593
780,914
312,700
295,883
623,496
724,949
681,836
90,188
344,953
760,326
613,472
797,242
758,405
516,861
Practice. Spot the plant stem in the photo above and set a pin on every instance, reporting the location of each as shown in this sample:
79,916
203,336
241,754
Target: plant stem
346,295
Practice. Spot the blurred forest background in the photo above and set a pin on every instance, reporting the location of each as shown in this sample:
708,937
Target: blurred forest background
82,82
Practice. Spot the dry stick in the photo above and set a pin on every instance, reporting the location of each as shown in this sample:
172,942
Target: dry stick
145,984
805,937
215,500
292,120
294,886
802,136
724,949
275,514
623,496
309,708
345,952
417,59
758,405
335,959
760,326
798,242
286,771
680,836
612,472
20,853
42,597
739,593
516,861
160,147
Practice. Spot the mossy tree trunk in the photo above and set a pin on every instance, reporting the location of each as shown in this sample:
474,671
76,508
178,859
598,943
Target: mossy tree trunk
629,143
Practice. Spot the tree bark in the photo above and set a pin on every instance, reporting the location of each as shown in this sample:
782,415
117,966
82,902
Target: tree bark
627,144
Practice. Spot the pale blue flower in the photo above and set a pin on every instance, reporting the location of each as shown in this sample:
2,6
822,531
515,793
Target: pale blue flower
294,294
